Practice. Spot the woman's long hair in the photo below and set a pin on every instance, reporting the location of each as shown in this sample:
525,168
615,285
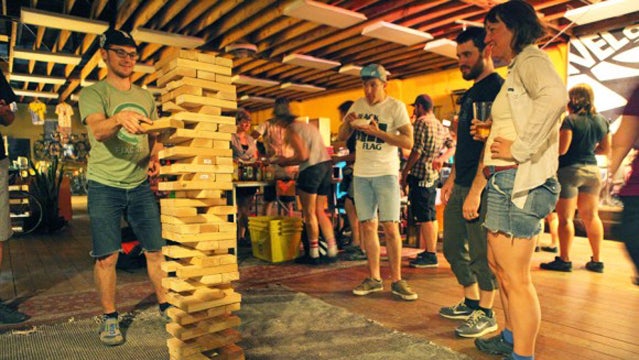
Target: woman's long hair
582,99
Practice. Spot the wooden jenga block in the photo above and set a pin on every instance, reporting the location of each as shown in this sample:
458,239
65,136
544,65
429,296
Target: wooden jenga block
175,74
170,106
204,237
198,65
182,152
209,110
203,343
162,124
230,352
191,101
227,128
184,318
183,135
189,117
224,61
175,169
182,90
200,218
201,83
192,202
194,185
204,327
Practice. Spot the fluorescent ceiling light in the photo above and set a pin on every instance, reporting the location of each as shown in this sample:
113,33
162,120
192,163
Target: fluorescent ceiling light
259,99
247,80
74,97
85,82
354,70
301,87
465,23
62,21
323,13
47,56
601,11
140,68
38,79
309,61
396,33
38,94
166,38
350,69
443,47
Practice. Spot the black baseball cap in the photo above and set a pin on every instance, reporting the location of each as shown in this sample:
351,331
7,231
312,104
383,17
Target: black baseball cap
423,100
116,37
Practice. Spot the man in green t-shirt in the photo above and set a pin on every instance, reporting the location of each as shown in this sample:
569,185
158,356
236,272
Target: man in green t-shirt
118,171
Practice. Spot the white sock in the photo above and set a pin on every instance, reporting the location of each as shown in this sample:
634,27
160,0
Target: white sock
332,250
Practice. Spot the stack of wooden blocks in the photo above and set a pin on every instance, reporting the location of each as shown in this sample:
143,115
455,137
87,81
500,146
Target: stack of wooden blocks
199,269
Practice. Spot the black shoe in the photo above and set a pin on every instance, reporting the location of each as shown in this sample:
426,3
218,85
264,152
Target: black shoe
595,266
550,249
307,260
558,265
11,316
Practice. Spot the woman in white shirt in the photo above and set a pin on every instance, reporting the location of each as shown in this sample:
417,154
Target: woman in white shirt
520,163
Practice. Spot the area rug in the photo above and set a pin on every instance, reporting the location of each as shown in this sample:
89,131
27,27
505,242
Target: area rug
276,324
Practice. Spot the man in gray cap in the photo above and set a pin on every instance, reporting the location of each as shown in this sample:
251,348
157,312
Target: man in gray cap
382,125
122,159
432,146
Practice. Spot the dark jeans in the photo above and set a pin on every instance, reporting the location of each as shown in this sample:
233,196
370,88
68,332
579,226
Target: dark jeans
629,228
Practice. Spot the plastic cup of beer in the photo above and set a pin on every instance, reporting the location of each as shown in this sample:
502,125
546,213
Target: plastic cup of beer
481,112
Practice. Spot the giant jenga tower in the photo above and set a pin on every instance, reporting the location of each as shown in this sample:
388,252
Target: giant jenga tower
199,270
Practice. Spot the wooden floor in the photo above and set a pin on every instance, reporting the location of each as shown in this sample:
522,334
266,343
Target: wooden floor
586,316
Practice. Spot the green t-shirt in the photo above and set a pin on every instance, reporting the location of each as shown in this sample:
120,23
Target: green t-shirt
122,160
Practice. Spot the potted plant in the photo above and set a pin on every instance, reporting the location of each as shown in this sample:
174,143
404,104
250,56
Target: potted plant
46,187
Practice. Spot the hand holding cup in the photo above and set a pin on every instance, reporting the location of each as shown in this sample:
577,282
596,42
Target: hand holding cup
481,112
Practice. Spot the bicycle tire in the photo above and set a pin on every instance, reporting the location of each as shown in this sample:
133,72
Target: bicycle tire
26,212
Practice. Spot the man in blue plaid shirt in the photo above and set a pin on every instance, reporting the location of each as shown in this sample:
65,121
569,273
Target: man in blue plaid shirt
432,146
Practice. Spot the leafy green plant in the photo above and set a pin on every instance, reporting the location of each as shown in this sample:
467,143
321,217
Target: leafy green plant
46,187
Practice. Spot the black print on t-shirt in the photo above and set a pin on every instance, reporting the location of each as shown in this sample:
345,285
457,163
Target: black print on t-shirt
370,142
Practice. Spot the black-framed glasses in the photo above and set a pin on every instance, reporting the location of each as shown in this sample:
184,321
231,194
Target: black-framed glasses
133,55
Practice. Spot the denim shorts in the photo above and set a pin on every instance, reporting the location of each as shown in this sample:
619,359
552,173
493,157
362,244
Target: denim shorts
504,216
376,192
577,179
107,205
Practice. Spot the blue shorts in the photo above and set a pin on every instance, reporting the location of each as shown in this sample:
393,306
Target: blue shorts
108,204
376,192
504,216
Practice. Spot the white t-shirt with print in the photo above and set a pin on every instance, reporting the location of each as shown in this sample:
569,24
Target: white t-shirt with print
374,157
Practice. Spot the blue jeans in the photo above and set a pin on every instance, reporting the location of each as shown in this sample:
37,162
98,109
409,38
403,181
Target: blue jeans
108,204
504,216
376,192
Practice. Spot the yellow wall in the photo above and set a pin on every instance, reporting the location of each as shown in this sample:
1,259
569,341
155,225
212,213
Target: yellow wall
438,85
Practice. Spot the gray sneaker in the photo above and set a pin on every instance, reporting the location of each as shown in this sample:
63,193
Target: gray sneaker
495,345
110,333
459,311
403,290
369,285
478,324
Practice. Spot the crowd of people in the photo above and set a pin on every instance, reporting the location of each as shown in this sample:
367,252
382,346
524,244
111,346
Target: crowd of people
534,161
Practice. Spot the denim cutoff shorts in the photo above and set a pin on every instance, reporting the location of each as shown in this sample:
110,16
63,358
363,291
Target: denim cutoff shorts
376,192
108,204
504,216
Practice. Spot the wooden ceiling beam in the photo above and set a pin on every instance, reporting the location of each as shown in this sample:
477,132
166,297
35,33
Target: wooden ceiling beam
147,12
217,16
97,7
258,22
173,10
126,9
192,13
73,84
